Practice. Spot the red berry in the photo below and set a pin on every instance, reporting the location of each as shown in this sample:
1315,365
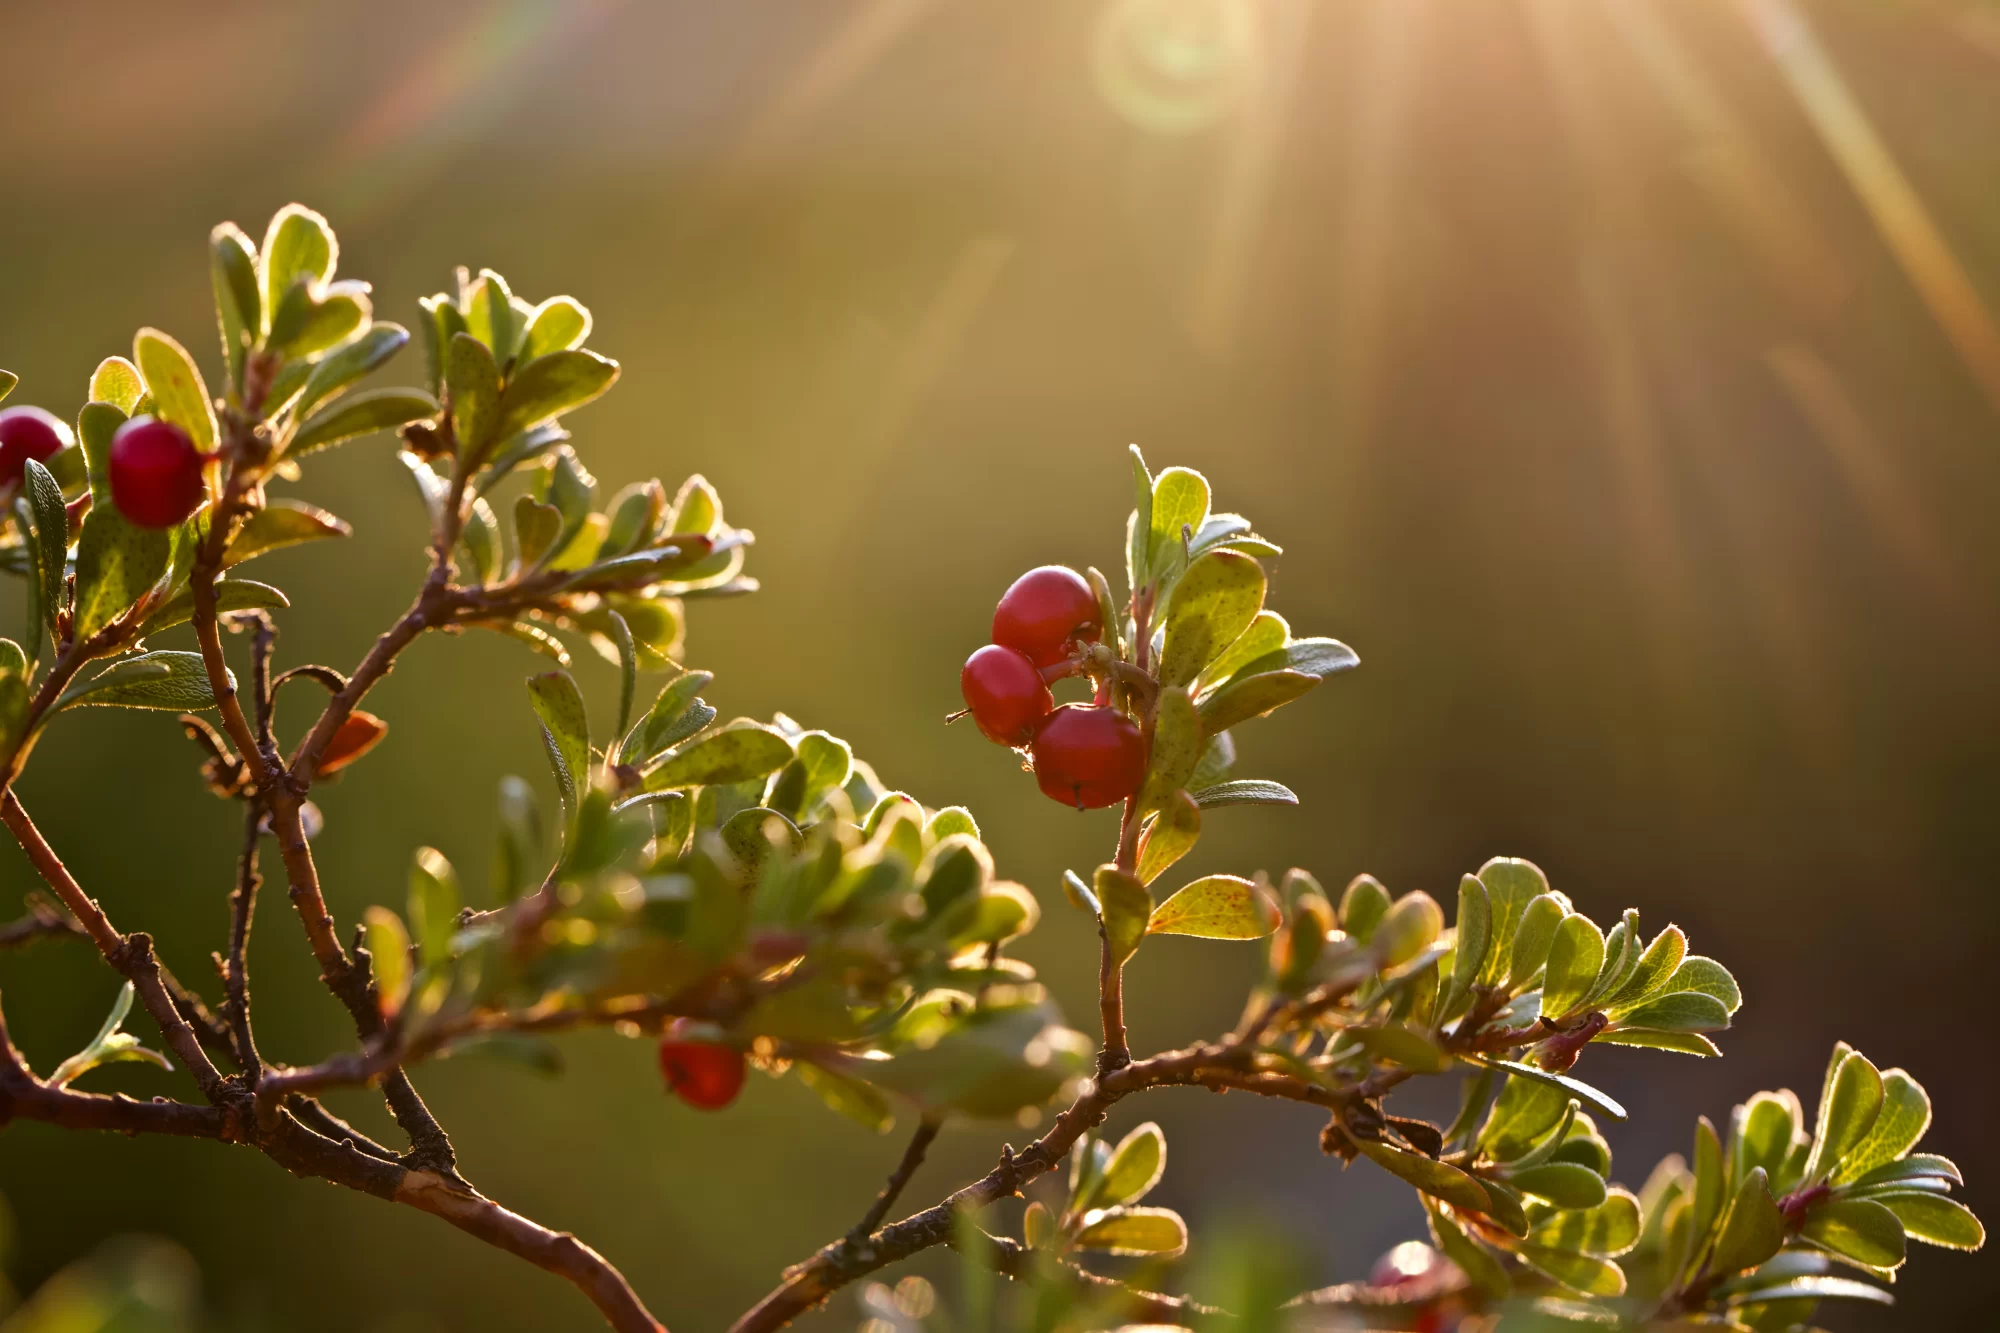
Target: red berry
1044,611
703,1074
1005,693
28,432
1089,757
156,473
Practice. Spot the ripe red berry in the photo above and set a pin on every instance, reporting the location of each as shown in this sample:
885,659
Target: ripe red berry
703,1074
29,432
1089,757
1005,693
156,473
1045,610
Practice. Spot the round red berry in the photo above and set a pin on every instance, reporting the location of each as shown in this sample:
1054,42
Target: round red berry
156,473
703,1074
1089,757
29,432
1046,611
1005,693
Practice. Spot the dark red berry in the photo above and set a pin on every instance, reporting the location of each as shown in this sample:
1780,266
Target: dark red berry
1005,693
156,473
1044,612
1089,757
703,1074
28,432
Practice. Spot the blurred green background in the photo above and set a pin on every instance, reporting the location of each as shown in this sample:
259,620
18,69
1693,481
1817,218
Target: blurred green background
1621,378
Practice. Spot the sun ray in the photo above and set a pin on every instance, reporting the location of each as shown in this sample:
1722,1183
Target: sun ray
1892,201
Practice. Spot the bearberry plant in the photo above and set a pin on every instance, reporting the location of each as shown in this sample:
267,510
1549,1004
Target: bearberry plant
749,895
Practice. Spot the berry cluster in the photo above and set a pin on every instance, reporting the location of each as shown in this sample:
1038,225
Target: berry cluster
155,470
1085,755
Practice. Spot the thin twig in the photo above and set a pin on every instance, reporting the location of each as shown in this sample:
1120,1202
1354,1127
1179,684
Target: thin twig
913,1157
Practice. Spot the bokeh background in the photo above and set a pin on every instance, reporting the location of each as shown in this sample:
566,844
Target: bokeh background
1621,377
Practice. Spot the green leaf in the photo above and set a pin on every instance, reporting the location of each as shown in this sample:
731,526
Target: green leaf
1916,1166
118,382
1171,835
1610,1228
117,563
1752,1229
565,732
1180,506
230,595
1684,1043
1689,1011
96,426
1656,968
1860,1230
310,318
1245,791
1402,1044
298,244
1139,526
1564,1184
175,384
551,385
480,542
171,680
1579,1272
1511,883
1266,637
1524,1115
1362,907
1937,1221
1814,1287
239,311
335,372
362,414
1697,973
1621,958
850,1097
45,501
434,904
1251,696
1905,1115
489,314
1136,1165
1485,1272
1412,923
558,324
473,380
727,756
1438,1179
952,819
389,954
1214,603
1177,747
1148,1231
1217,907
1318,658
1474,938
1763,1133
1127,910
8,379
282,522
1597,1102
1533,938
1575,957
536,529
1847,1111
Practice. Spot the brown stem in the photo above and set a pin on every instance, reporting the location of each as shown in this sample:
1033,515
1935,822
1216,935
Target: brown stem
131,955
1214,1066
43,920
236,965
913,1157
303,1150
